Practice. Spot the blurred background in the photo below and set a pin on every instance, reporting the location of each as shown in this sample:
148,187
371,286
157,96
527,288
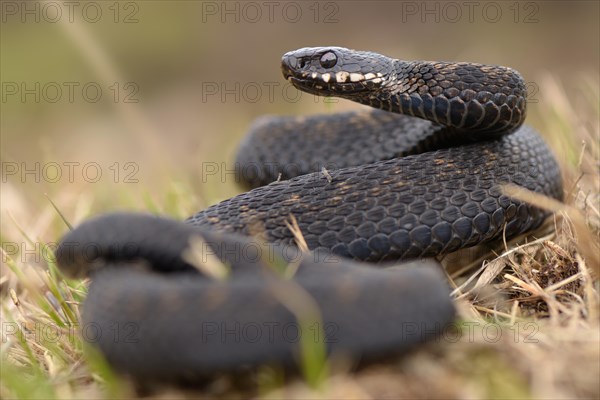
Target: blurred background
137,105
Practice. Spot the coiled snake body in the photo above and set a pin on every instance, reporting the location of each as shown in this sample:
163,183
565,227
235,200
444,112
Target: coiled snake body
371,186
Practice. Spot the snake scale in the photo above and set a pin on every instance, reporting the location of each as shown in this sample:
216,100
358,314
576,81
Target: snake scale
418,175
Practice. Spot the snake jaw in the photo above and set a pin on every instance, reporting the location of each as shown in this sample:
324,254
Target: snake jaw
335,71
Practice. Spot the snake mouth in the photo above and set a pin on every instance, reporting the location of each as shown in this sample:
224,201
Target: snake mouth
325,84
319,87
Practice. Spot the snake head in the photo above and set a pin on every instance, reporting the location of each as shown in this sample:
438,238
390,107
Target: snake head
336,71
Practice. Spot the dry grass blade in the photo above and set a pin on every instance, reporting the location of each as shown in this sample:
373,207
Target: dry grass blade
490,273
564,282
200,255
293,226
60,214
587,243
537,291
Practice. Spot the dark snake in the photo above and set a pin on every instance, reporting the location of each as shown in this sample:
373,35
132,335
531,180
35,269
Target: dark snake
419,178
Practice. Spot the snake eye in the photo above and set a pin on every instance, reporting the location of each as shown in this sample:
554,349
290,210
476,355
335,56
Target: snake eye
328,59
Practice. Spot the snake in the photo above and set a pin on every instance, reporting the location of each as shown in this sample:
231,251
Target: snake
332,246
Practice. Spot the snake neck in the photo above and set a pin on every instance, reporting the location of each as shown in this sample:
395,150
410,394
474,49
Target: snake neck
464,96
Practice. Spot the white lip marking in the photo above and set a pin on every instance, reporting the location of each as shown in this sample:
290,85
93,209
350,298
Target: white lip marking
356,77
314,75
379,74
370,75
326,77
341,76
